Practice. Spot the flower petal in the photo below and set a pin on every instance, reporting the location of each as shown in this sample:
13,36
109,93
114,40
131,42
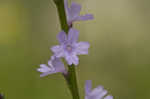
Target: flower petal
43,68
96,91
75,60
102,94
82,48
84,17
46,70
47,73
88,86
62,37
68,59
73,35
108,97
75,9
58,50
58,65
72,59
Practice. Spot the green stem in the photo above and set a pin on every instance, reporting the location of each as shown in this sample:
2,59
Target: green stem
62,15
73,82
71,77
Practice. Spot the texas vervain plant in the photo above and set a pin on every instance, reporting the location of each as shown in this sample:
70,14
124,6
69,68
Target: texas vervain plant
69,49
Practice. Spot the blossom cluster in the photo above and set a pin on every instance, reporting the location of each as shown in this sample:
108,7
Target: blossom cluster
69,49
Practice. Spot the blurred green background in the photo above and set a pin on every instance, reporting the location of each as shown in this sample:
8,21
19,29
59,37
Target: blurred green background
119,56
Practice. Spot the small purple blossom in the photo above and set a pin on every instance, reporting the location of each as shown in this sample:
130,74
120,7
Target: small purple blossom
73,12
69,48
54,66
96,93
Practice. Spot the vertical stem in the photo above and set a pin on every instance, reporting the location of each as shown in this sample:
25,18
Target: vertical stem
71,77
62,15
73,82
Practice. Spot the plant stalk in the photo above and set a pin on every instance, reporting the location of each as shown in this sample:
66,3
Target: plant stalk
71,76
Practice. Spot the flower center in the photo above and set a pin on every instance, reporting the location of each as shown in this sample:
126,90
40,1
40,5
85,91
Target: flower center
69,48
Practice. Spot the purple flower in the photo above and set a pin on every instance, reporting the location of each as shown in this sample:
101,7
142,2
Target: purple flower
54,66
73,12
69,48
96,93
